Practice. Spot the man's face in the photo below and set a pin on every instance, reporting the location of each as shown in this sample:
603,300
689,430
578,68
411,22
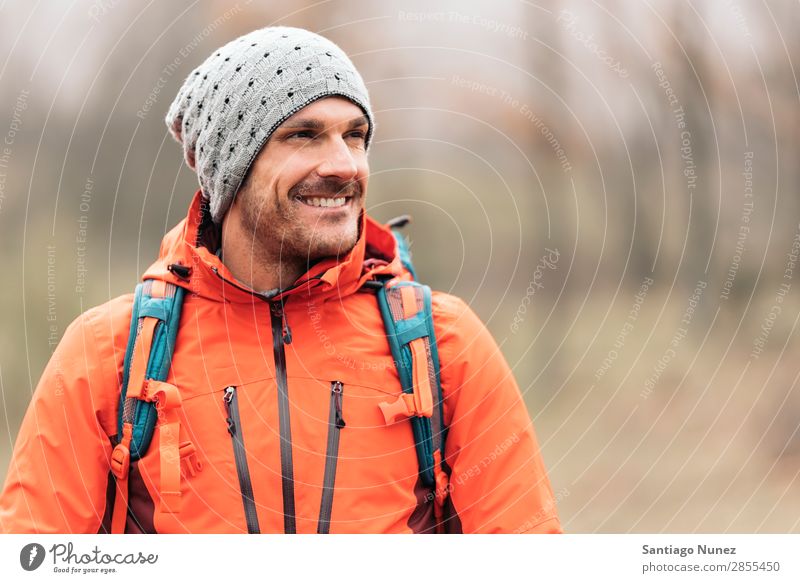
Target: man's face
303,196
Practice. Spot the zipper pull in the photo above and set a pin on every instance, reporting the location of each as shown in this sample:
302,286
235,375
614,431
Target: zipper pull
228,398
338,389
286,332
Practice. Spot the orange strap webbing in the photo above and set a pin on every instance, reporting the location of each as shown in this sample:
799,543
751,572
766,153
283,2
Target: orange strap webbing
168,400
120,465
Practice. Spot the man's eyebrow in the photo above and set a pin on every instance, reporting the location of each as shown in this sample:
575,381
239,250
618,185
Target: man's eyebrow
315,124
312,124
359,121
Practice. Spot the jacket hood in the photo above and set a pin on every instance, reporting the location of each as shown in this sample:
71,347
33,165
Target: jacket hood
187,258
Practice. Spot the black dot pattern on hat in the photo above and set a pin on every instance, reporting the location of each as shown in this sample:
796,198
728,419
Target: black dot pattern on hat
246,89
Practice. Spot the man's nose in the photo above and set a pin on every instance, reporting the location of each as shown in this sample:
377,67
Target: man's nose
338,160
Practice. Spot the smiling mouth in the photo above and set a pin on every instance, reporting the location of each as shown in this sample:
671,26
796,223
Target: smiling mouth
324,202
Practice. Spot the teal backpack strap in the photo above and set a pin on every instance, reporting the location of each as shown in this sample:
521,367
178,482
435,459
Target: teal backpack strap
407,314
408,319
151,342
139,413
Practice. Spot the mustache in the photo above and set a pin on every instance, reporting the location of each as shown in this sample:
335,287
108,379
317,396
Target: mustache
326,187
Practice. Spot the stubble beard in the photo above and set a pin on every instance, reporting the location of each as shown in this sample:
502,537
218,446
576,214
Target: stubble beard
277,234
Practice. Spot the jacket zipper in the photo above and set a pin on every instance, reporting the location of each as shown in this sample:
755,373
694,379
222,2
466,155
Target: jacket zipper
280,335
335,425
234,422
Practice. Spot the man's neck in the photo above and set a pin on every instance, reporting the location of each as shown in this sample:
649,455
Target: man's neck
256,267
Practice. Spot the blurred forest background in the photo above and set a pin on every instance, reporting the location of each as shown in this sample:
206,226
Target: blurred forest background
613,186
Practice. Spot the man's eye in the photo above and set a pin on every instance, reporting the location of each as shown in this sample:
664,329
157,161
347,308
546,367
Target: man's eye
303,134
359,134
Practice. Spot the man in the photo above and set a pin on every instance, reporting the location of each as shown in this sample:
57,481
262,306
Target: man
282,373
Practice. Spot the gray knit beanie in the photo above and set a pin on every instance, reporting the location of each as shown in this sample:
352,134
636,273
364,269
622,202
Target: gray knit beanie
229,106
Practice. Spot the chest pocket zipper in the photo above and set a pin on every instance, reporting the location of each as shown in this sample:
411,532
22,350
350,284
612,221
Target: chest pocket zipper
240,456
335,425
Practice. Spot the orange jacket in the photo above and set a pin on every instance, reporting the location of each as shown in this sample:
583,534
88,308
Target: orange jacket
59,480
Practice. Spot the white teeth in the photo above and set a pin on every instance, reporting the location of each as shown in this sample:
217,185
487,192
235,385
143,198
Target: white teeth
325,202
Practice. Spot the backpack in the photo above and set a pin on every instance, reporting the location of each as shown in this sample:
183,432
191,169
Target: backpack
406,309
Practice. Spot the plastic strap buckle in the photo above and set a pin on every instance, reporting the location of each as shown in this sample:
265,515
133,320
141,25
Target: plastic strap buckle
402,407
121,455
120,461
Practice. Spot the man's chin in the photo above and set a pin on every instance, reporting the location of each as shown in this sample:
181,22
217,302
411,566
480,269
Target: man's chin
333,248
337,252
